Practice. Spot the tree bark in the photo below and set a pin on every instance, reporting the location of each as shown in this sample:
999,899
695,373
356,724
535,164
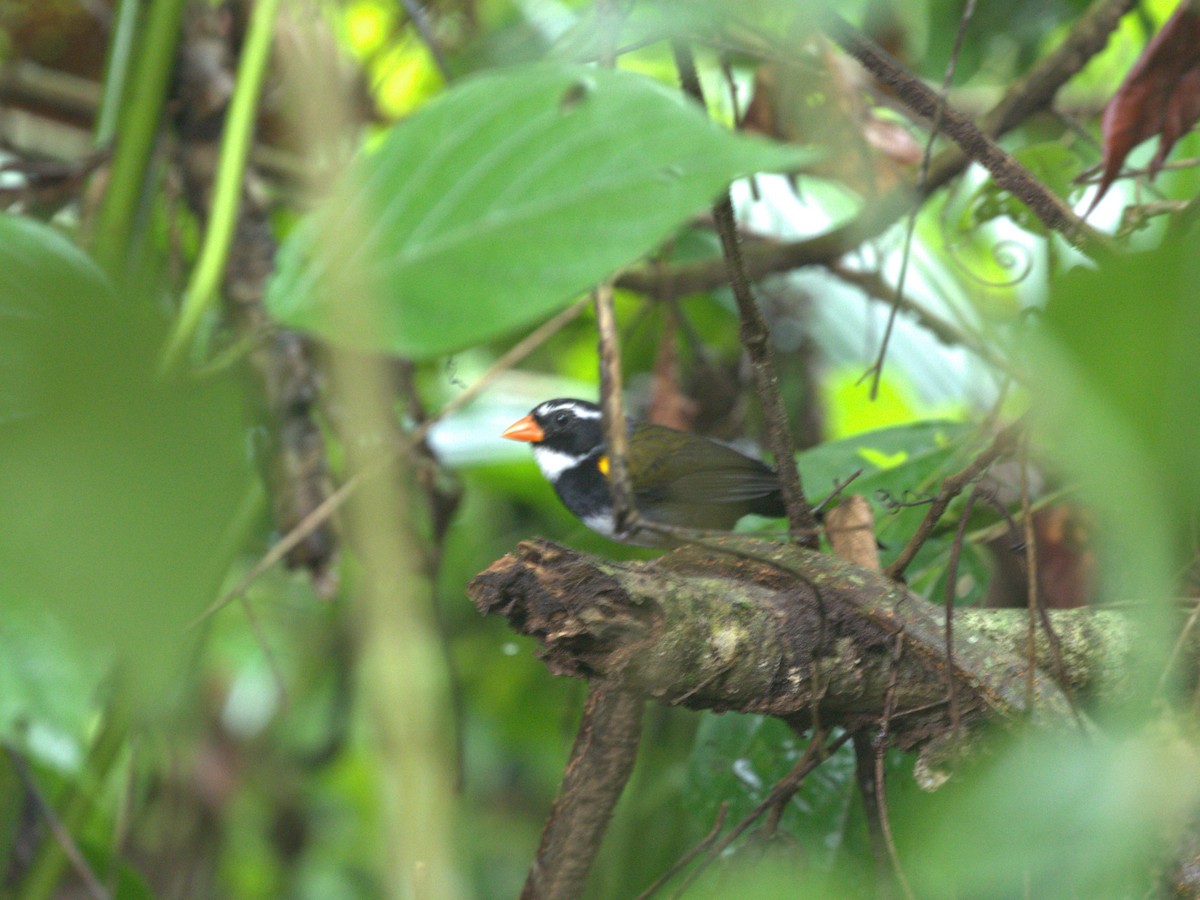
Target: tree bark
766,628
601,760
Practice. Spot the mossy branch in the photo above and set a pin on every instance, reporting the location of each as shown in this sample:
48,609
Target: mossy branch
783,631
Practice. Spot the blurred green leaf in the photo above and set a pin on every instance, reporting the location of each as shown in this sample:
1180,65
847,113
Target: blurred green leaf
1128,331
502,200
833,459
1068,816
47,688
117,486
1124,418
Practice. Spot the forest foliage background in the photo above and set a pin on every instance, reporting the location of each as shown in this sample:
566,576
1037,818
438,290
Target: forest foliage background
251,250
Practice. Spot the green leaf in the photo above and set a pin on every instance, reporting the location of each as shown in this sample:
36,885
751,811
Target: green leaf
1106,803
896,459
118,486
48,688
1127,330
500,202
738,760
39,266
901,465
1124,418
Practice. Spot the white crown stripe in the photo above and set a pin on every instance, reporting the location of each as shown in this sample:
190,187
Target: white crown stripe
580,411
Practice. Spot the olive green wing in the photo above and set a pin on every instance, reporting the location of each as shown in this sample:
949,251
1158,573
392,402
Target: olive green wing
675,467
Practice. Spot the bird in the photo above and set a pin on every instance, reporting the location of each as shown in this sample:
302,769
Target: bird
678,479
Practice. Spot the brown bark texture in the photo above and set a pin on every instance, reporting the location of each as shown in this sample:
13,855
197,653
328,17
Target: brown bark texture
756,627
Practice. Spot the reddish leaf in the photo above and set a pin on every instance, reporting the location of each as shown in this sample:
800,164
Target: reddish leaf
1183,109
1160,95
669,405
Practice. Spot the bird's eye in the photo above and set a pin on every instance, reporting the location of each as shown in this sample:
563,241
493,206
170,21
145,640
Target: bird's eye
561,419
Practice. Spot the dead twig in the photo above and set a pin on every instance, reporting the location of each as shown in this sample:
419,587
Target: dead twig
868,790
70,849
885,824
922,176
755,338
684,861
616,433
818,751
1031,572
952,486
960,535
873,285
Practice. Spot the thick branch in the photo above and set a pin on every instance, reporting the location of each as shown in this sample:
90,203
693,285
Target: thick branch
1033,93
924,101
730,632
1036,89
601,760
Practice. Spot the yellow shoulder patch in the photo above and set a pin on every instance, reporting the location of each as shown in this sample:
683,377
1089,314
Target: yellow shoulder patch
602,465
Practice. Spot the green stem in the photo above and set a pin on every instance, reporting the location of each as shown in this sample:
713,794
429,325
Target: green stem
138,126
235,148
116,70
50,862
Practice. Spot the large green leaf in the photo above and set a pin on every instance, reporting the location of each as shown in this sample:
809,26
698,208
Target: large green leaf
501,201
117,485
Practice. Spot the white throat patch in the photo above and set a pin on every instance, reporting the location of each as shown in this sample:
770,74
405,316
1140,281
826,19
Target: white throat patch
553,463
602,523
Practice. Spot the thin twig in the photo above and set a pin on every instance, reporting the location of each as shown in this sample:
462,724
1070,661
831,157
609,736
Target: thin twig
420,19
616,433
755,338
868,790
817,753
321,513
1093,176
885,824
1037,609
1177,650
873,285
922,177
1031,574
951,592
952,486
682,863
268,654
61,834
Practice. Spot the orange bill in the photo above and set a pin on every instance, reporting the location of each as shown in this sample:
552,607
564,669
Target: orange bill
525,429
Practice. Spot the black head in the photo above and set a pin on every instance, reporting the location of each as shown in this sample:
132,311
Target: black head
570,427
